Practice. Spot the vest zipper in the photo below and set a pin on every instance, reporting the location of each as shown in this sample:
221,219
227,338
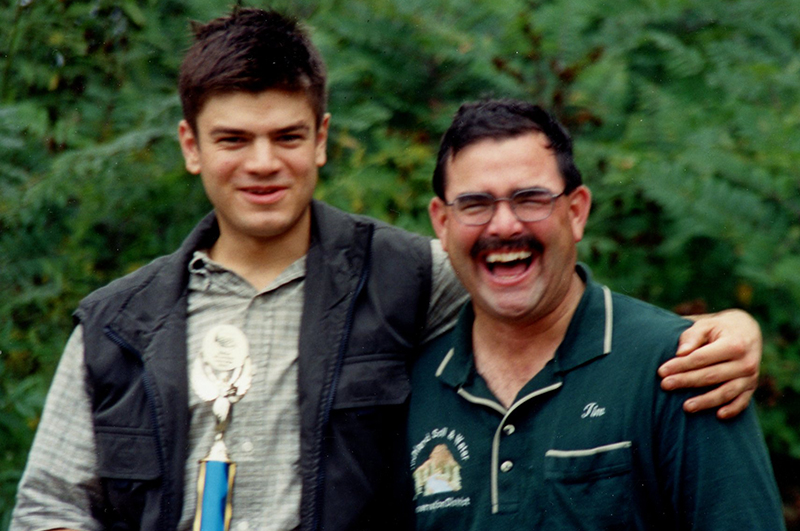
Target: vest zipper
328,405
149,392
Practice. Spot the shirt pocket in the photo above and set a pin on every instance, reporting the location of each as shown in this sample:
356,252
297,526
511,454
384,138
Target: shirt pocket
128,466
589,489
363,448
372,380
127,453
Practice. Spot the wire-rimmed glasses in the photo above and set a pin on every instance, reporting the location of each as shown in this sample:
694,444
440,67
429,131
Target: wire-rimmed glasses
528,204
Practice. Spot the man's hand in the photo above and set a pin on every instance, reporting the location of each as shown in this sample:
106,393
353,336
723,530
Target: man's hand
722,348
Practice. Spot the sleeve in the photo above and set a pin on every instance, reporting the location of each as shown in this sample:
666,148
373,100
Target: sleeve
447,294
717,474
60,484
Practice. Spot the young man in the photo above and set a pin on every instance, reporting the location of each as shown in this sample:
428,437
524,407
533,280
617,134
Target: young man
332,307
540,410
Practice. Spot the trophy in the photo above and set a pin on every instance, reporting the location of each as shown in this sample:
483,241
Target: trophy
221,374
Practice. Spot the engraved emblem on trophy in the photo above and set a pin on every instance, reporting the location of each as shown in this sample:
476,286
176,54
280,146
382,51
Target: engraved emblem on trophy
220,374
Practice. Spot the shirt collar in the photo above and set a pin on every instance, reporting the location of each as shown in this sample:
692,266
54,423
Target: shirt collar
202,269
588,336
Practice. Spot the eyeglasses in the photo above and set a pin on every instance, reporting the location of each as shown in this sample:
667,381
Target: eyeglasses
528,204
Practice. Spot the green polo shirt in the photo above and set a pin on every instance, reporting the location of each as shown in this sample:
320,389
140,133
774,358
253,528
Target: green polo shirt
590,443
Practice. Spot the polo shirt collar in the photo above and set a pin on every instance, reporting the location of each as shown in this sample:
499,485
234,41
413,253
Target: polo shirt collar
588,336
589,332
457,368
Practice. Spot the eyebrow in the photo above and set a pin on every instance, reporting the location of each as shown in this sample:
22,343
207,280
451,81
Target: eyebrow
223,131
535,189
300,126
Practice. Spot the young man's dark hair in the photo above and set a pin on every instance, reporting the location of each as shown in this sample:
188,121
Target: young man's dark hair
250,50
499,120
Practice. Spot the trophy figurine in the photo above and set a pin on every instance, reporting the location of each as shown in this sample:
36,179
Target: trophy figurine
221,374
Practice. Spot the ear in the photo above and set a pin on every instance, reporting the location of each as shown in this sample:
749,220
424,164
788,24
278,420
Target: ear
321,153
190,147
437,210
580,203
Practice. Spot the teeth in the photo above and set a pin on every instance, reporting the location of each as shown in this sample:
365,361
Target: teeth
508,257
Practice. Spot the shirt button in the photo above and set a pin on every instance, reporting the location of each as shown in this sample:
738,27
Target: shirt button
508,429
247,446
506,466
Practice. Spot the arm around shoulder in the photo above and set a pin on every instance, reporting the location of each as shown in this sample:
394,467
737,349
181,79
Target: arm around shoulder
447,294
722,349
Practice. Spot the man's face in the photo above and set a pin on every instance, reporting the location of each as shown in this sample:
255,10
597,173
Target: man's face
258,156
515,271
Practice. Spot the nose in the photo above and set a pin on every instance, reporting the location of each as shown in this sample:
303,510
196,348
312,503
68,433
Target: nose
504,222
262,157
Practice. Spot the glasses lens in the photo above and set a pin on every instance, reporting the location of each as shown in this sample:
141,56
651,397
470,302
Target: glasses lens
474,209
532,205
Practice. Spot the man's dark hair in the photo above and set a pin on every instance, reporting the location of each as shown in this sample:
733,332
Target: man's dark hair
250,50
501,120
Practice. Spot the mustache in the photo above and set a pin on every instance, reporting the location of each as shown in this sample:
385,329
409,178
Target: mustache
493,243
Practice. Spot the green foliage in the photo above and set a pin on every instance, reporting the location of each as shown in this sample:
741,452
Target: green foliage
685,114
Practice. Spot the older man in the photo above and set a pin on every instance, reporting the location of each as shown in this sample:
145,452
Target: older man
540,409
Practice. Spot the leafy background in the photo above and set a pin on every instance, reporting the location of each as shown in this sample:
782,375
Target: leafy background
685,114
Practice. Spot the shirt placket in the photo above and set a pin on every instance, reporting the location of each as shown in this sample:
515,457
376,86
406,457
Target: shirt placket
226,297
510,453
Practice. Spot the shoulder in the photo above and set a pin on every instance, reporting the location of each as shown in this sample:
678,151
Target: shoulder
162,278
644,335
332,219
130,283
388,238
644,321
337,229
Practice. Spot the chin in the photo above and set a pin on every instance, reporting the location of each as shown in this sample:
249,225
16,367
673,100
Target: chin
508,312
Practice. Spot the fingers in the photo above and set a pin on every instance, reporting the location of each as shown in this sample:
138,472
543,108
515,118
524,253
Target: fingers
709,365
739,380
721,349
732,336
695,337
706,356
736,328
737,406
734,396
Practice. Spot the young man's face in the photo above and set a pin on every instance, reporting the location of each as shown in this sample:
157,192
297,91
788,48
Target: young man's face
528,271
258,155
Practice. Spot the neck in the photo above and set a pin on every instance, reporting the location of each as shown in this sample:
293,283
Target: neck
508,354
260,260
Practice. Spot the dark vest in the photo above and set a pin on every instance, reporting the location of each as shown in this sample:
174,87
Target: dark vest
367,289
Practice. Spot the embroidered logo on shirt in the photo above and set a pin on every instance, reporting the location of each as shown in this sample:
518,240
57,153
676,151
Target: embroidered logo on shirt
436,463
593,410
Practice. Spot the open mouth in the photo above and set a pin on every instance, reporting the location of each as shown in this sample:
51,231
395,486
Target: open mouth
508,263
507,258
